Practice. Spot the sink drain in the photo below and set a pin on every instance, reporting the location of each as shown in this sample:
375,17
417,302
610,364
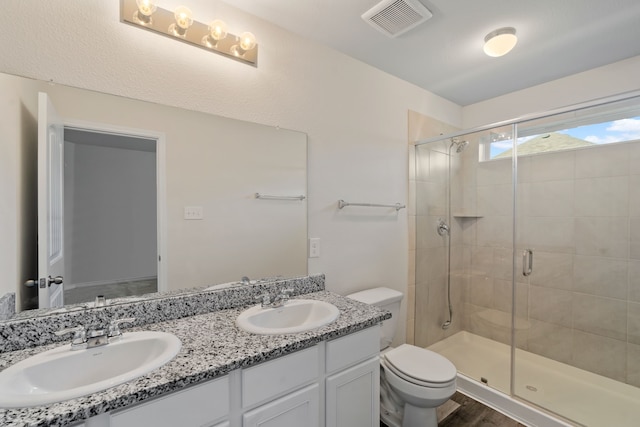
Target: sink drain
532,388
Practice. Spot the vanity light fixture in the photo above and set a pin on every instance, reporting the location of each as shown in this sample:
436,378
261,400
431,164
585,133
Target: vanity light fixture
217,31
247,41
500,42
184,19
146,8
180,25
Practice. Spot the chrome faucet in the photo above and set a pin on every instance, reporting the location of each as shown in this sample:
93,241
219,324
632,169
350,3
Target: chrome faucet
79,340
94,336
280,300
97,336
114,327
265,300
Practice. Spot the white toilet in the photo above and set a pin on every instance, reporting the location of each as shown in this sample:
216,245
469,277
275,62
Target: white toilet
413,381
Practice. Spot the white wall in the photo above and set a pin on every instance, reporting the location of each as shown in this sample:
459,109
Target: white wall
355,116
9,170
17,181
617,78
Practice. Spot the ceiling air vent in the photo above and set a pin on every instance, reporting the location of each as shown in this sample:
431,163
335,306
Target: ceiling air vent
394,17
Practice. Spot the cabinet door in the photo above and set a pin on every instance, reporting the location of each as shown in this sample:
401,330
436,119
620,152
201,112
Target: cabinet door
353,396
301,408
195,406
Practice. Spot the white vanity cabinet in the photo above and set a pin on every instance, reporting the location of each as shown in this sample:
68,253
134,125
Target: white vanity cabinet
353,381
293,378
333,384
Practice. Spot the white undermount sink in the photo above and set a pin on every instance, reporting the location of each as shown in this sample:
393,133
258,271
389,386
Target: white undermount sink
61,374
297,315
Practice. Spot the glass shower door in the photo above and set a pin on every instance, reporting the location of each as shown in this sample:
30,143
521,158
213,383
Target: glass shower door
576,259
464,252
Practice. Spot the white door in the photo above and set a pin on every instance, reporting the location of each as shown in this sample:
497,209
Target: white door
50,204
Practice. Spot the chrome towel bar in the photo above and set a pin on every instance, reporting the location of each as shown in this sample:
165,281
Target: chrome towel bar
397,206
268,197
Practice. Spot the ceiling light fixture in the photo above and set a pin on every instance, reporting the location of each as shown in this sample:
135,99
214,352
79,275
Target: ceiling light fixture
180,25
500,42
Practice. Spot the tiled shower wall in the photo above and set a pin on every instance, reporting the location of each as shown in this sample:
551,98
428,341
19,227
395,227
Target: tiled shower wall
432,166
579,211
426,308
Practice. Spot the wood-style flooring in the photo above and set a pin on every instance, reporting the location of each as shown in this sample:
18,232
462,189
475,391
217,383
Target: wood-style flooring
471,413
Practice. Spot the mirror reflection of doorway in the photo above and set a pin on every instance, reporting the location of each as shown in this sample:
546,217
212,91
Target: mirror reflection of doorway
110,216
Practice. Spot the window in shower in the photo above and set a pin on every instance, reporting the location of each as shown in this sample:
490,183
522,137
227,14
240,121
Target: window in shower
579,132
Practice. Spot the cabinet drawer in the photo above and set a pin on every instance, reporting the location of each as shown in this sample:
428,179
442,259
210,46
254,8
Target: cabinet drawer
301,408
196,406
271,379
353,348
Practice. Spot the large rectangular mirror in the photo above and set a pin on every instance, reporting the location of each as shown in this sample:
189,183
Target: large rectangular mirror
155,197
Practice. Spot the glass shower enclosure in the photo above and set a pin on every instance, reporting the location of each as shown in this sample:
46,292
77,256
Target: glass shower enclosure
528,259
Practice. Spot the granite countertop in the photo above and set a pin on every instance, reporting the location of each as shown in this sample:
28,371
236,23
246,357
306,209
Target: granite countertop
212,346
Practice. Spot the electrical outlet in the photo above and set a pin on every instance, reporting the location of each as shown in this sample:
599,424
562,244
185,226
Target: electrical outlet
193,212
314,247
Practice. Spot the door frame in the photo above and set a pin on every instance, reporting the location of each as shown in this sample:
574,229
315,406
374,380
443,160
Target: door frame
161,190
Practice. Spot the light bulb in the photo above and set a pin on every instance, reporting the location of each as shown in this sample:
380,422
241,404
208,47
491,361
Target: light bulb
146,7
218,30
184,20
184,17
247,41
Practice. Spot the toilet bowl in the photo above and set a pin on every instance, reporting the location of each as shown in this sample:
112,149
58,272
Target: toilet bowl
413,381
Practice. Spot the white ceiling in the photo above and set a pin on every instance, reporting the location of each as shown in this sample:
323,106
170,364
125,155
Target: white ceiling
556,38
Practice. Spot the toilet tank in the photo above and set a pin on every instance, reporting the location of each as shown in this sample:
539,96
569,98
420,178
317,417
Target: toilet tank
385,298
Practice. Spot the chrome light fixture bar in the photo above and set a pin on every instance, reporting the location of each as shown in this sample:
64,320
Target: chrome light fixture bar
179,25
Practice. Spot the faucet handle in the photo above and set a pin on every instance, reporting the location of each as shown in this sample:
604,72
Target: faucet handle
264,299
283,297
114,326
79,336
287,292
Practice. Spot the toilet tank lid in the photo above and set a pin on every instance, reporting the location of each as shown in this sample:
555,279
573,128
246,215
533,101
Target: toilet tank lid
377,296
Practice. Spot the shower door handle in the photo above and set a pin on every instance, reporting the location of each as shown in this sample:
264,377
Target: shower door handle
527,262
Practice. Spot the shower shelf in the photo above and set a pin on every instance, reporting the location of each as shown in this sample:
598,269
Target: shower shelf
466,215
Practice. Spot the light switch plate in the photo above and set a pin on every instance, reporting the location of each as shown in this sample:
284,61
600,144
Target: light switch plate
314,247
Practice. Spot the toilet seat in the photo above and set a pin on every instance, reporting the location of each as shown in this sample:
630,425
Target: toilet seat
420,366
